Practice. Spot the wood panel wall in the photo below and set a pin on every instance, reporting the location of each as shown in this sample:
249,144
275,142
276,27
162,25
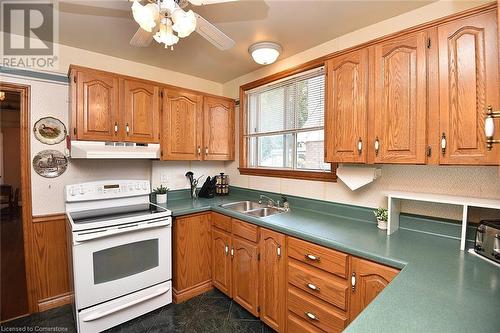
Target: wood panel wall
50,261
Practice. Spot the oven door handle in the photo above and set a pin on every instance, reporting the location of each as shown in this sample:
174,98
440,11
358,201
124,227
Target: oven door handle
100,315
84,237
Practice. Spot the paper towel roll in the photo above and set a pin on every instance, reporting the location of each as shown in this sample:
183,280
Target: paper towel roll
357,176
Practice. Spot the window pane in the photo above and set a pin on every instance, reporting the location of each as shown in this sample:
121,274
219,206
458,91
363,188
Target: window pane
309,102
310,151
274,151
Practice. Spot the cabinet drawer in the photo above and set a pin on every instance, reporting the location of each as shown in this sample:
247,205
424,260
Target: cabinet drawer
245,230
296,324
315,311
222,222
318,283
329,260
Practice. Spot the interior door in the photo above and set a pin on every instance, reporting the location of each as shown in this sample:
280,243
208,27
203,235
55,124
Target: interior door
370,279
245,283
221,261
346,116
218,129
141,111
272,270
182,126
468,84
400,100
97,106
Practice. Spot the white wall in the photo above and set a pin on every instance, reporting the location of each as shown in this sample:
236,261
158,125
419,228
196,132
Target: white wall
172,173
467,181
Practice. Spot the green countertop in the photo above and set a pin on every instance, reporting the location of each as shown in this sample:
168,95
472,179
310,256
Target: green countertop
439,289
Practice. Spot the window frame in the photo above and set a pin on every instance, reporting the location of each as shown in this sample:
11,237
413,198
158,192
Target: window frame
244,168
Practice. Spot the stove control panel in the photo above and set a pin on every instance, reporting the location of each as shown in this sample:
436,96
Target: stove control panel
106,189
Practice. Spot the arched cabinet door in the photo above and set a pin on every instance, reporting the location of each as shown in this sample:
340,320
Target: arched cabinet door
400,100
368,279
346,115
141,111
218,140
96,105
245,274
182,126
221,260
468,84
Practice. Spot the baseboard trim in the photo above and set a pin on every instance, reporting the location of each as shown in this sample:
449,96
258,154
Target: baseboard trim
54,302
186,294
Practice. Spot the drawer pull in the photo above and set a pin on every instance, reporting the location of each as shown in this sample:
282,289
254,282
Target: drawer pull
312,287
312,257
311,316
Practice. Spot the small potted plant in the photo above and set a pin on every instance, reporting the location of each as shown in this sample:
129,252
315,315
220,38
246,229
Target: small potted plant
381,215
161,194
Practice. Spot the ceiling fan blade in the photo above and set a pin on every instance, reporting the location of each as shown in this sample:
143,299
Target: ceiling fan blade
211,33
208,2
142,38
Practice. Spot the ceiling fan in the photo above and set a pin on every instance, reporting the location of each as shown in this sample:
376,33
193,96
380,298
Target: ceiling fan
166,21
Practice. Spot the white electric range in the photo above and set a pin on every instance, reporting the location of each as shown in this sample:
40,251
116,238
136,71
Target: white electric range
120,250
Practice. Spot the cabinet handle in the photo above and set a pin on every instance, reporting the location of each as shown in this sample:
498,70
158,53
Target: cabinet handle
232,252
127,128
226,250
443,143
116,127
312,287
312,257
199,151
353,281
206,151
278,251
377,146
360,146
311,316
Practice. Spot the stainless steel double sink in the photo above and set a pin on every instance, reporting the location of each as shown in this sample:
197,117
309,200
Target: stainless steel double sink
251,208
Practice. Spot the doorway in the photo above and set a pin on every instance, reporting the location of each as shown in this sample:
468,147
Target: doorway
15,201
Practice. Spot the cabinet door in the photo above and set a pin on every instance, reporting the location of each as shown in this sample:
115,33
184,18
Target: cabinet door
141,111
245,274
221,261
468,83
218,137
182,126
346,116
370,279
96,106
272,270
400,100
192,256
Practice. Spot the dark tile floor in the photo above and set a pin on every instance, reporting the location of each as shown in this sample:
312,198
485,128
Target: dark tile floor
207,313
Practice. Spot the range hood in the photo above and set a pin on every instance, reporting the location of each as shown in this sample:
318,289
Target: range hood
108,150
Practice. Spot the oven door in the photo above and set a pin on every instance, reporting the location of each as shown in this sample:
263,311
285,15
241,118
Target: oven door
118,261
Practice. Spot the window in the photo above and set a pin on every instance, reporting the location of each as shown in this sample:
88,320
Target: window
285,124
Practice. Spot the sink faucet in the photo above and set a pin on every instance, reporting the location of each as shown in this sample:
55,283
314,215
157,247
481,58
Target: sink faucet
276,204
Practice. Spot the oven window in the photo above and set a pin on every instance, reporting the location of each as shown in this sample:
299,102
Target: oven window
125,260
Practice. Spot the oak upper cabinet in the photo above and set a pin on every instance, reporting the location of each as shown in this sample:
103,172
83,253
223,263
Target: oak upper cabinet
221,260
245,282
141,111
367,281
468,83
399,95
181,125
192,257
272,270
218,129
346,116
95,97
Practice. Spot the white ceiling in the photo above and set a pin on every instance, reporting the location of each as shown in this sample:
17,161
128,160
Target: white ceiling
107,26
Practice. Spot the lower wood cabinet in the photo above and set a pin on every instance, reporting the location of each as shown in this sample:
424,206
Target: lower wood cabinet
245,274
272,277
221,260
191,249
369,279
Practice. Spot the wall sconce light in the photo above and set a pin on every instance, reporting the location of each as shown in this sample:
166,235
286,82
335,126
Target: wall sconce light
489,126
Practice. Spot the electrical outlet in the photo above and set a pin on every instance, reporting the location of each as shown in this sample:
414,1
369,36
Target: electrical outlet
163,177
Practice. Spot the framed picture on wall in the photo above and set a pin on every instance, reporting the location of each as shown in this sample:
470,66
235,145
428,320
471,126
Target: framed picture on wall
49,130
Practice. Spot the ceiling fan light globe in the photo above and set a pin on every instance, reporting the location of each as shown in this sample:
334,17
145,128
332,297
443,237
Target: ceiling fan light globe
265,53
145,16
184,22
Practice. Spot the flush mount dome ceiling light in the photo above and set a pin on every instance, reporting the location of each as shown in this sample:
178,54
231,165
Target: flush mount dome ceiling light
265,53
